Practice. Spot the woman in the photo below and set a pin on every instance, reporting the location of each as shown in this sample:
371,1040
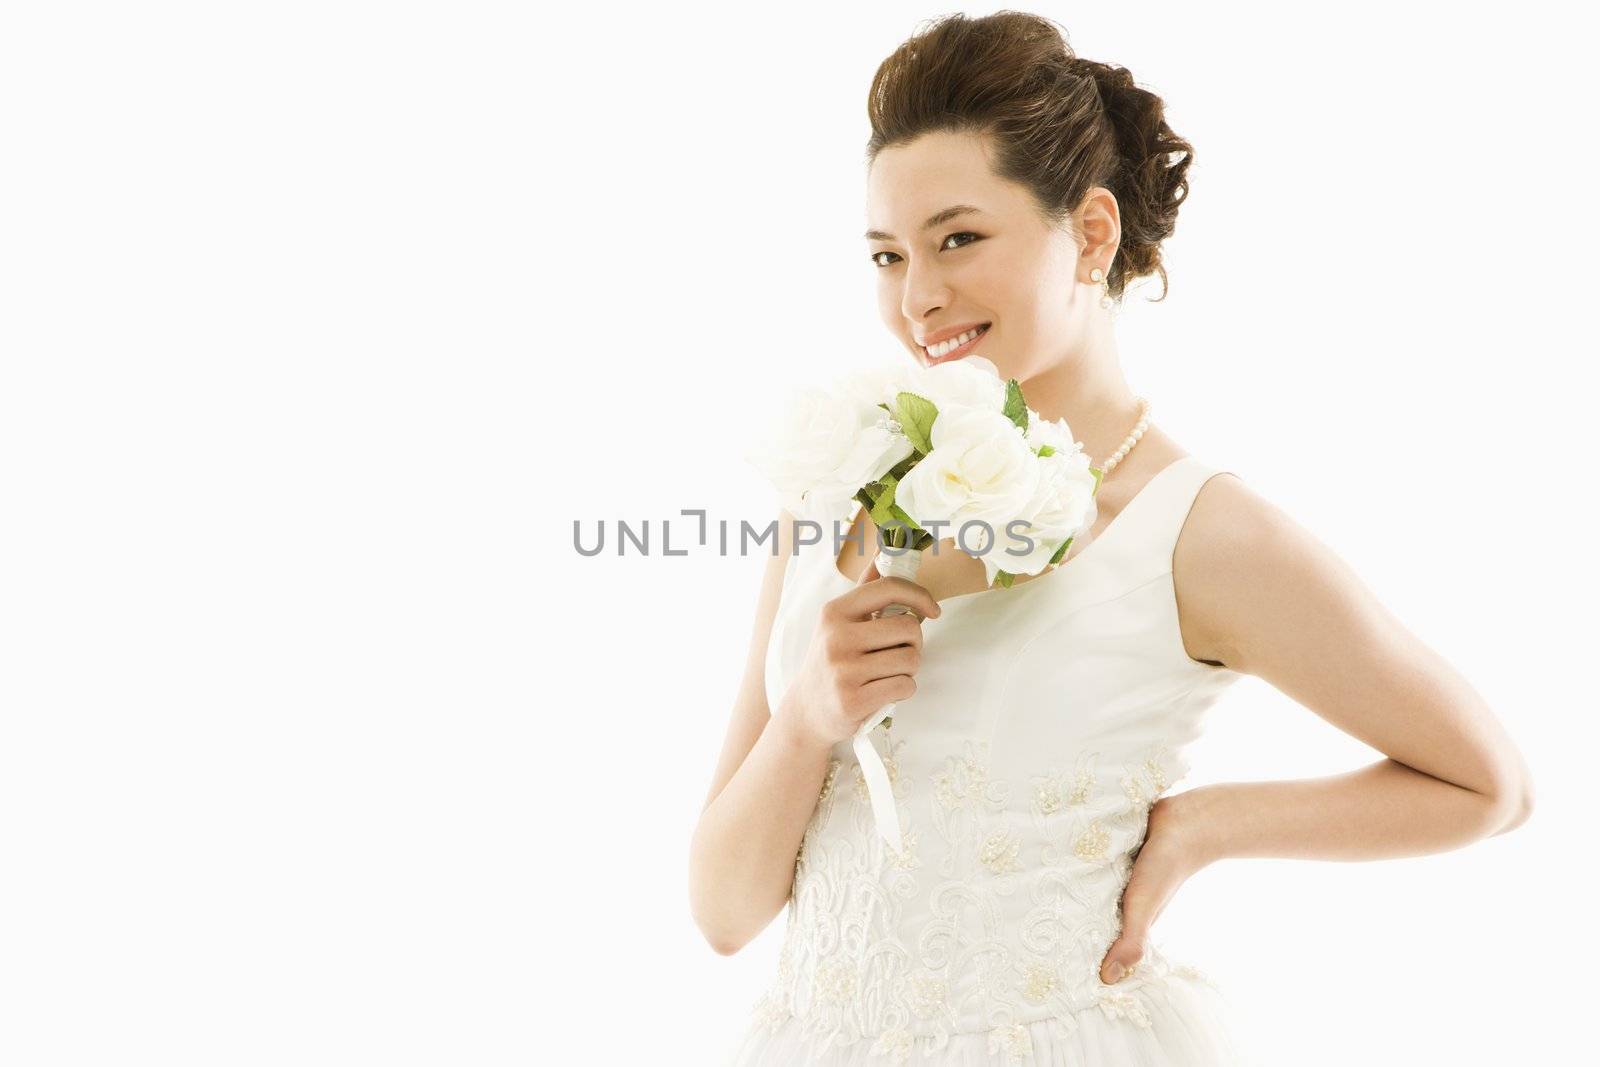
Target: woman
1014,190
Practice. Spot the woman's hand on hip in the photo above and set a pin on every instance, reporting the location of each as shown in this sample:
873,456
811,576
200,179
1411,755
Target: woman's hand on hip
1171,853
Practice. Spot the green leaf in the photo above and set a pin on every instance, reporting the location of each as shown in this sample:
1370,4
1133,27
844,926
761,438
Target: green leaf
1045,450
883,509
916,420
1098,474
1062,551
903,468
1003,579
903,517
886,407
1016,408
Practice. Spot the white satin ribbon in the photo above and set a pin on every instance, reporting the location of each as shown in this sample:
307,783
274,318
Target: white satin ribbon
902,564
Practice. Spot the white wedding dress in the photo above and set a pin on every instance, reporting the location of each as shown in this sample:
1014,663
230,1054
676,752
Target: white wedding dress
1048,718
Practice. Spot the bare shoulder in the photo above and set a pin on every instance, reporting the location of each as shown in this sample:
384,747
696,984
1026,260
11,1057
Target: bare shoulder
1243,567
1206,537
1262,594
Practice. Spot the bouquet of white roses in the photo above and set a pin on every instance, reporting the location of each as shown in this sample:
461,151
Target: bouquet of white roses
949,445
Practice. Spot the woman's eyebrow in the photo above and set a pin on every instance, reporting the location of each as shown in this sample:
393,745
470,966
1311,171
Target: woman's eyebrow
933,220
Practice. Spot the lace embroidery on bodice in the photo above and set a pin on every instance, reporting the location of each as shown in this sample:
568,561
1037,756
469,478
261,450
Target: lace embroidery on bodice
1024,793
852,907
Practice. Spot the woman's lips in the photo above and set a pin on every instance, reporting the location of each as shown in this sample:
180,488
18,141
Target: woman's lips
956,353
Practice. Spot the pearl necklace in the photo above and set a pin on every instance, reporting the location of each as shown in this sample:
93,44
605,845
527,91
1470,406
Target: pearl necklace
1128,442
1105,470
1122,450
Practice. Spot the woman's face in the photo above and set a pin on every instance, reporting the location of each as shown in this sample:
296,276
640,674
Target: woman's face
942,270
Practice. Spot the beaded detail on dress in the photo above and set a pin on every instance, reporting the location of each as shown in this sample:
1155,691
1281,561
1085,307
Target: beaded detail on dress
863,959
1048,719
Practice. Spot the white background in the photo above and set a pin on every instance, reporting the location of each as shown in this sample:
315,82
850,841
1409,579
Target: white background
323,322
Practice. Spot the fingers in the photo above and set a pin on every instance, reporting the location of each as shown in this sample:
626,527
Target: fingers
886,632
870,597
891,690
1123,957
890,662
1142,900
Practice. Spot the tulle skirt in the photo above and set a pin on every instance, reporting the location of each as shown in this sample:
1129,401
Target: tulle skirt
1183,1022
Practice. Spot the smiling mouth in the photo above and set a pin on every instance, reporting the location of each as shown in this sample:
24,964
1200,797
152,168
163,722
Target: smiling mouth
954,353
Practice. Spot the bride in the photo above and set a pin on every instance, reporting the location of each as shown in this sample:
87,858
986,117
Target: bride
1014,191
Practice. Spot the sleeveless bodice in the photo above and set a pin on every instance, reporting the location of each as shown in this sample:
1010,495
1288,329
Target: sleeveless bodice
1048,718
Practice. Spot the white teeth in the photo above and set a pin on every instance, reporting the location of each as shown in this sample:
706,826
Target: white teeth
935,351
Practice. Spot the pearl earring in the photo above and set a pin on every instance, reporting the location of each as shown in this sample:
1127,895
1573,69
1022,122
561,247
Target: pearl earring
1098,275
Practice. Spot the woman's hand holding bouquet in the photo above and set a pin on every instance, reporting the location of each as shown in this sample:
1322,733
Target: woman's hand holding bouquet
858,660
920,449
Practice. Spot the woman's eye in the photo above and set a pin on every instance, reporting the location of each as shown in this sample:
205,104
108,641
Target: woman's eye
947,246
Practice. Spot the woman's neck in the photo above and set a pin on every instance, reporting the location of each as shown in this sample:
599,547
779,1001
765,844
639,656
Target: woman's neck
1088,390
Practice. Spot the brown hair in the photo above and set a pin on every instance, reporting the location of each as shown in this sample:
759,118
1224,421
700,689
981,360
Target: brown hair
1060,124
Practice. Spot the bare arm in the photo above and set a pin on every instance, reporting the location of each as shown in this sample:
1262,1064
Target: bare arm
741,864
1274,602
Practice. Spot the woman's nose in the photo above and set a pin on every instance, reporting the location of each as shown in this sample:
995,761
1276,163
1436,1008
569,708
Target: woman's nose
926,291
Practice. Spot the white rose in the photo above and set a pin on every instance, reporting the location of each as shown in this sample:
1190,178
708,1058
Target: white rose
878,446
1063,507
1053,432
971,382
825,446
879,384
980,469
